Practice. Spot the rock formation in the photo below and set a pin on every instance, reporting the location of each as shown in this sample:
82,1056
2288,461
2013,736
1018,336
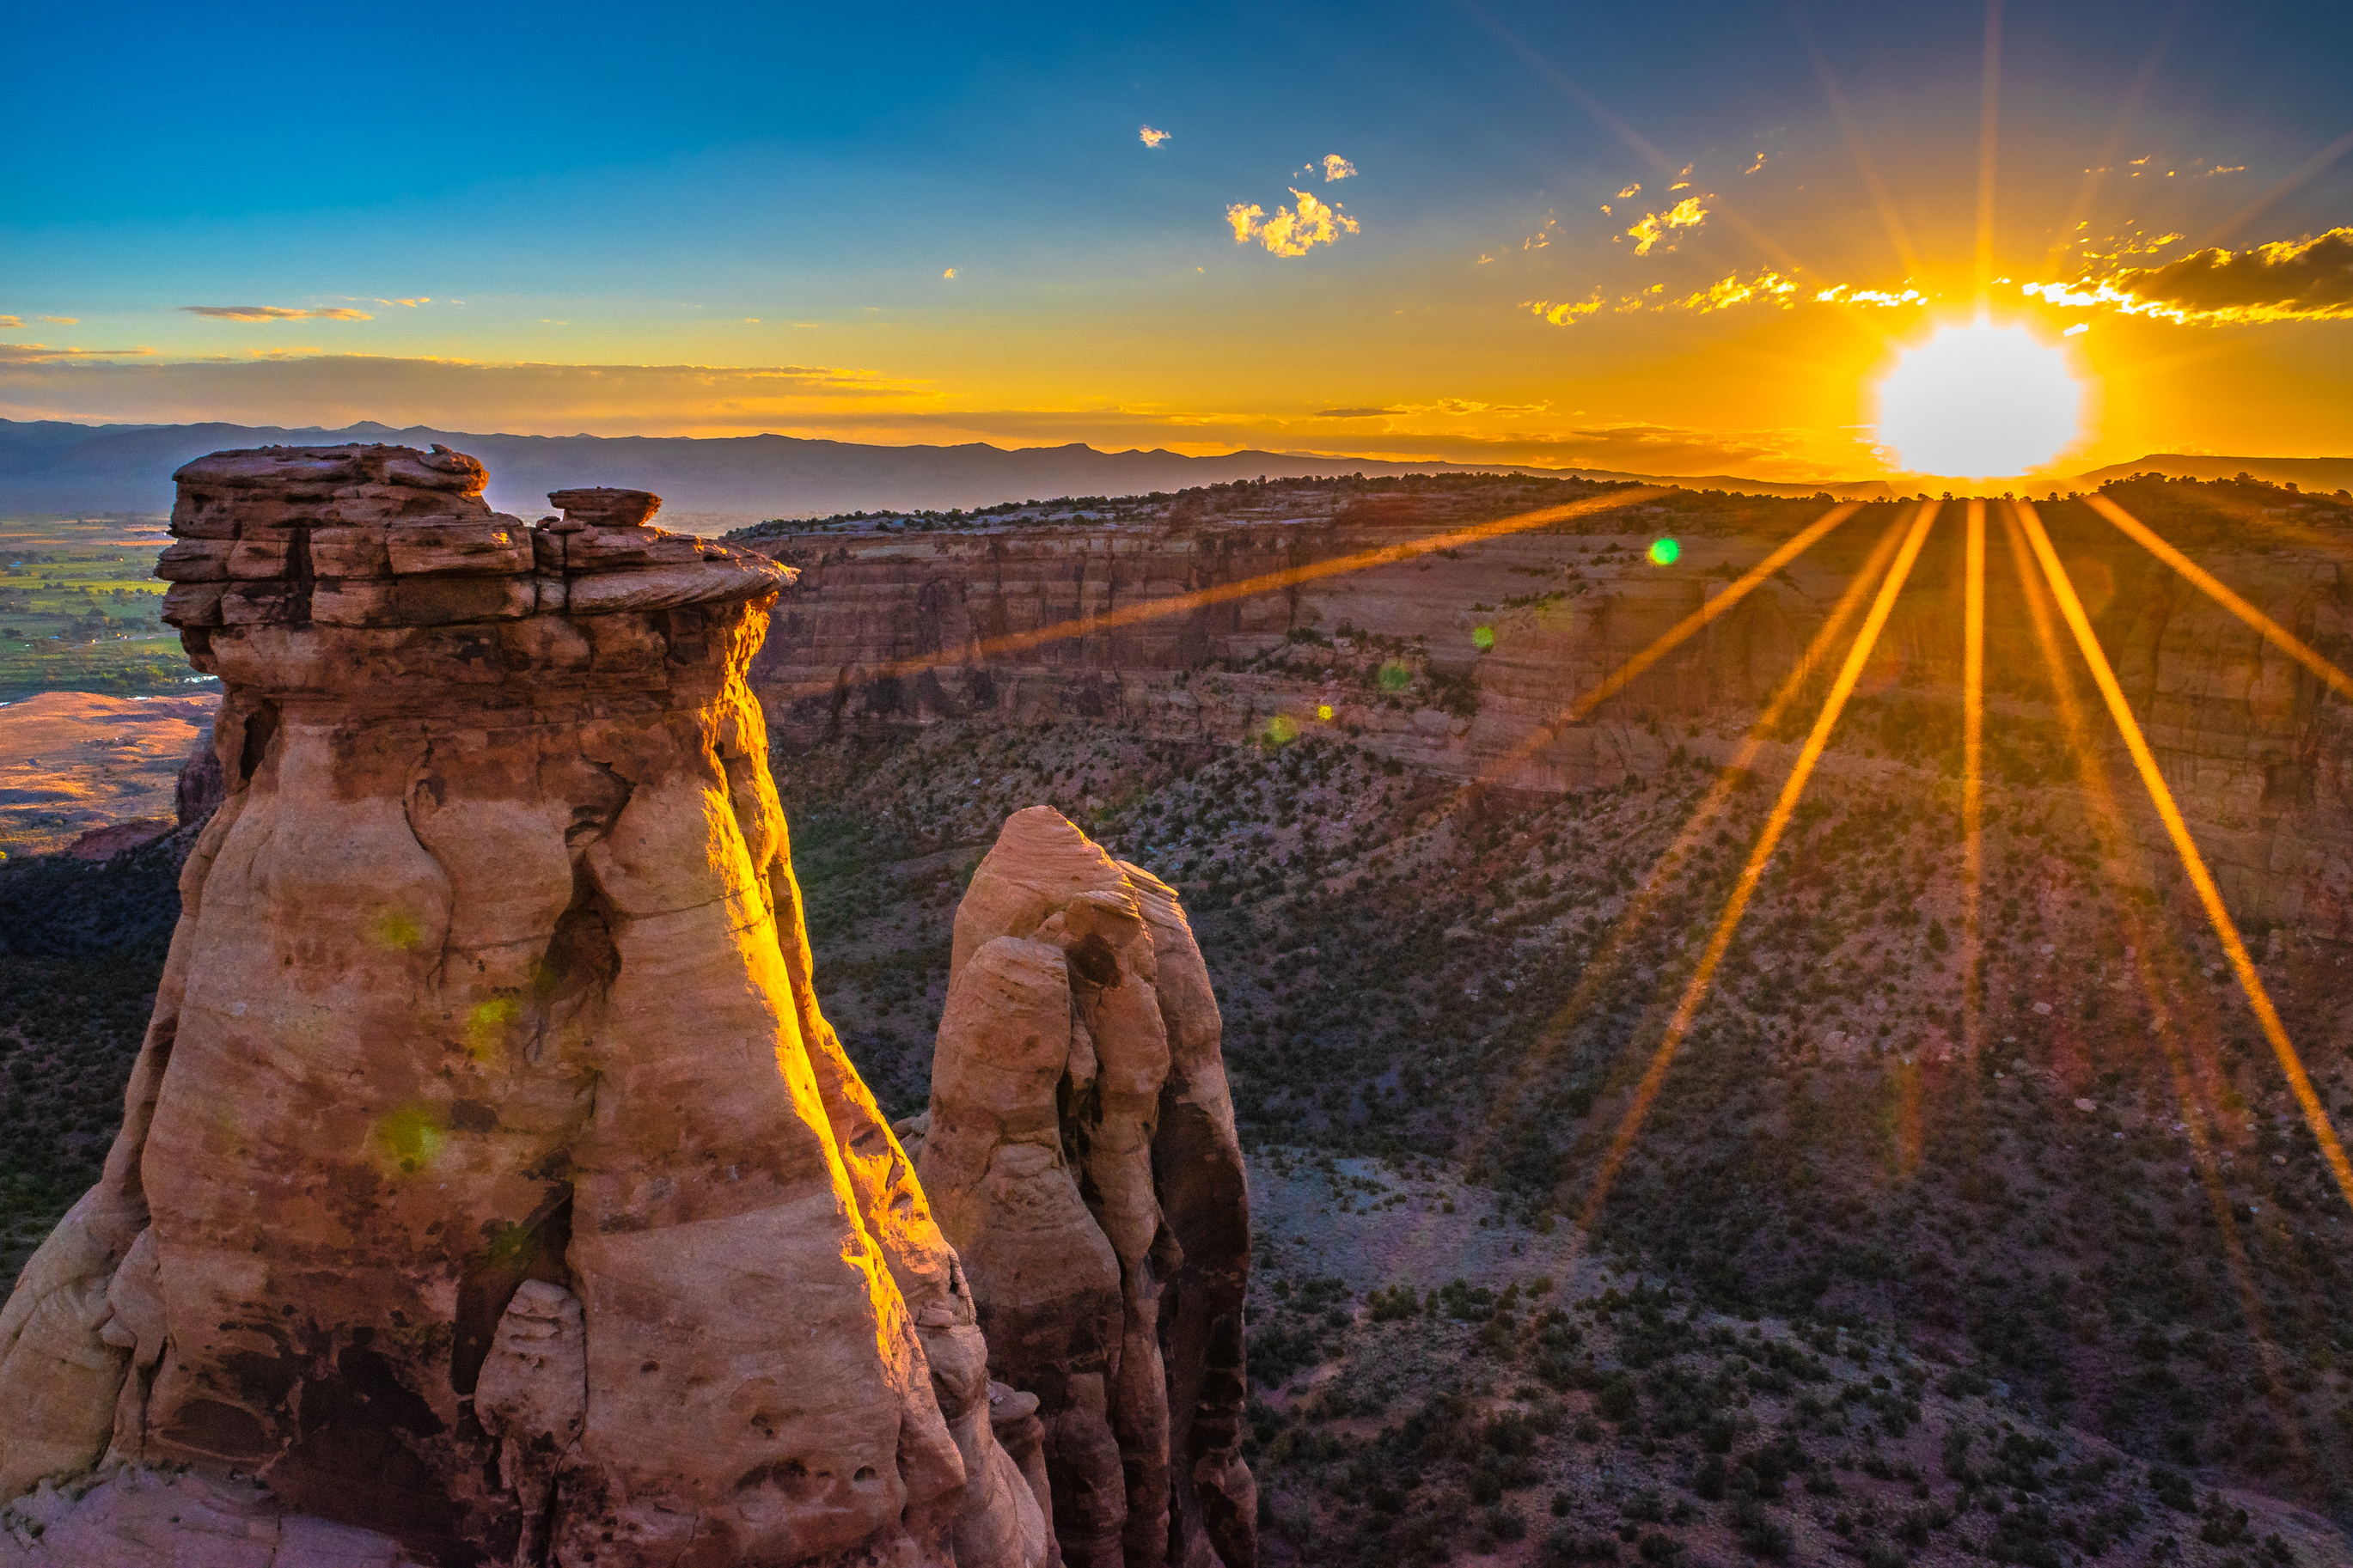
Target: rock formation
1079,1153
489,1178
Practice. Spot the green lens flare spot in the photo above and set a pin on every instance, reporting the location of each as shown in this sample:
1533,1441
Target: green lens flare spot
397,930
1394,675
409,1138
486,1026
1484,637
1665,552
1282,730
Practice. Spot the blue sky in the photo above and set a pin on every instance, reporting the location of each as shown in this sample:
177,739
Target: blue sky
749,189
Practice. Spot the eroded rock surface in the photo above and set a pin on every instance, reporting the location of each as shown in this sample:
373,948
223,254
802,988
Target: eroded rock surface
489,1179
1079,1153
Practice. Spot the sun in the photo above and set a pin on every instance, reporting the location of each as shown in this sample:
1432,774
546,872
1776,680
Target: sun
1979,401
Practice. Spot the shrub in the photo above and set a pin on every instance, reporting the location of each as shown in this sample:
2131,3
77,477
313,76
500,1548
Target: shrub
1566,1546
1617,1401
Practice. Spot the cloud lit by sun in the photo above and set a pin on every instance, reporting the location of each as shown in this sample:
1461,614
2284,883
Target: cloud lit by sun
1979,401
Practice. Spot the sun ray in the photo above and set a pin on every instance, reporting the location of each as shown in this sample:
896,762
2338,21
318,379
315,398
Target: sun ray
2160,795
2279,637
1973,782
1703,974
2107,155
1602,969
2263,203
1225,592
1626,674
2195,1099
1857,148
1988,122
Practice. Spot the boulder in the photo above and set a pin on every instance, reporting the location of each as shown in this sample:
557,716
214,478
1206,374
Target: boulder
508,1197
1079,1153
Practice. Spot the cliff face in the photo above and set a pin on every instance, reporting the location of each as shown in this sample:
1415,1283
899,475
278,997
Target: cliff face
490,1177
1459,662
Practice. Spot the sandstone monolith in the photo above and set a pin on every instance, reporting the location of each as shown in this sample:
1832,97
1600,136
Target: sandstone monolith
490,1178
1079,1153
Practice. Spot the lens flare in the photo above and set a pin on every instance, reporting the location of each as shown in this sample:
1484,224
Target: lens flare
1979,401
1483,637
1665,552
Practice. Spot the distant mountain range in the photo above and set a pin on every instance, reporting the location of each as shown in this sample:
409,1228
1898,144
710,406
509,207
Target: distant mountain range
52,465
2305,473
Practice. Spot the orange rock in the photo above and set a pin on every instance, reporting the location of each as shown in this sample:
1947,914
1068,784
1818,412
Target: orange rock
1078,1148
507,1190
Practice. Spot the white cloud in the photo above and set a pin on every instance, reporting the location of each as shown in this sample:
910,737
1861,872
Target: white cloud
1654,227
1151,138
1289,233
276,313
1335,167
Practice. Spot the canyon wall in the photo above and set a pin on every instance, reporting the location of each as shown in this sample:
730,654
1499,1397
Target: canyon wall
1460,661
490,1178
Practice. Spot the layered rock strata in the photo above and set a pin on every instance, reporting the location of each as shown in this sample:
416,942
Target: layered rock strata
1079,1153
490,1177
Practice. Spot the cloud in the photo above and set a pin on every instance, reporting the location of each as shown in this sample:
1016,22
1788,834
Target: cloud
1628,191
1565,312
12,320
63,320
1151,138
1542,238
1654,227
2308,280
1756,165
949,273
1288,232
1848,294
1335,167
412,304
1763,287
41,353
277,313
1355,413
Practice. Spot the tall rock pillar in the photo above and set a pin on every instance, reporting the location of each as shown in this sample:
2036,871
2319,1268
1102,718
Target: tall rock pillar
1080,1155
490,1177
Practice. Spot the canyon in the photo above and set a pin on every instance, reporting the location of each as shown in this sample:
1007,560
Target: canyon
1857,1291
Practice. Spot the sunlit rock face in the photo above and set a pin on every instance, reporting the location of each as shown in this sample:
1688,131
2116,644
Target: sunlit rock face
1080,1154
490,1178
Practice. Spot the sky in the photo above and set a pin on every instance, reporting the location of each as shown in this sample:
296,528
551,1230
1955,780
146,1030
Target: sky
1682,239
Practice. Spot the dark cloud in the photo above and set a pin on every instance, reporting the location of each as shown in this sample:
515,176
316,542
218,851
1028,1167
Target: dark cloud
2308,280
41,353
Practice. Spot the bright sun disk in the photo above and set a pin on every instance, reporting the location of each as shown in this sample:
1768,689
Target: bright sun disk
1979,401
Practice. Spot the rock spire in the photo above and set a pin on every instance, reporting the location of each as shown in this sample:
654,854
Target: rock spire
489,1179
1079,1153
